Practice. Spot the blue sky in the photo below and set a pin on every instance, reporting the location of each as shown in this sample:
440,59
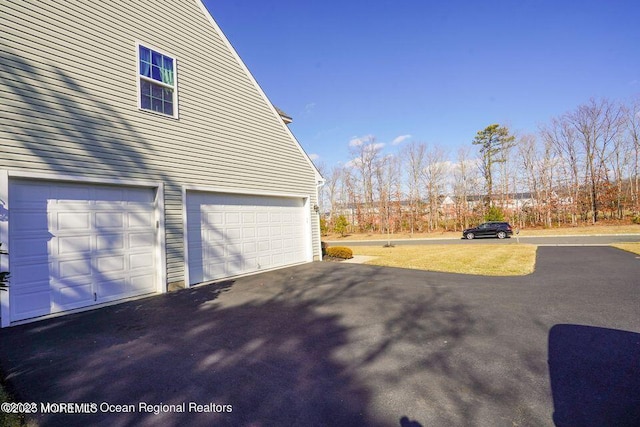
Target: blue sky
431,71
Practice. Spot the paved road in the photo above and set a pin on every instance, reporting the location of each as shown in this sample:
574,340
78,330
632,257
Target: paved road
332,344
596,240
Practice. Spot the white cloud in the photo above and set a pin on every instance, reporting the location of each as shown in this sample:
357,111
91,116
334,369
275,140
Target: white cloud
309,107
358,141
400,139
374,147
353,163
314,156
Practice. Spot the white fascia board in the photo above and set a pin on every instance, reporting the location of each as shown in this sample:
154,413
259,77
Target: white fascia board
257,86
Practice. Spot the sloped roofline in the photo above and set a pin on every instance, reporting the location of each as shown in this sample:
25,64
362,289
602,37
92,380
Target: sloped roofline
319,178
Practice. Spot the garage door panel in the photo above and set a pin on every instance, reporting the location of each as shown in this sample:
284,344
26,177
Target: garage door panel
106,220
30,221
72,245
233,234
250,228
249,248
113,288
142,283
111,265
73,221
31,304
30,248
105,195
64,193
70,297
30,195
76,269
212,250
34,274
90,238
140,220
140,261
110,242
141,240
248,217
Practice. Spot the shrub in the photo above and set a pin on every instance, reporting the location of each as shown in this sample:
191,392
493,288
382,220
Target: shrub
324,227
339,252
494,214
341,225
636,219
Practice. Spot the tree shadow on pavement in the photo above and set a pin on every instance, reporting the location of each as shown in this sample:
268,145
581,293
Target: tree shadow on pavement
595,376
309,345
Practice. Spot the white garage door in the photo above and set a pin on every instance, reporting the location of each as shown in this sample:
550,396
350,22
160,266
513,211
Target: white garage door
232,234
76,245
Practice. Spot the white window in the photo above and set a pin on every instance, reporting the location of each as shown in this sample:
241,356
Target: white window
157,82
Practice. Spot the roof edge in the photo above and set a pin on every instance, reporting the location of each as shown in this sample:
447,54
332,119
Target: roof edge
319,178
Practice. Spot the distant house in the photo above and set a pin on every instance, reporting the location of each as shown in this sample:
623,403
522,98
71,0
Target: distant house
138,153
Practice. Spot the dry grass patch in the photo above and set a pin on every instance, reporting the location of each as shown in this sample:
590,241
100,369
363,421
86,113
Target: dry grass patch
629,247
485,260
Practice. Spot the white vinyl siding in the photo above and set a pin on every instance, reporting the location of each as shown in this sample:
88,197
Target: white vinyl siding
227,134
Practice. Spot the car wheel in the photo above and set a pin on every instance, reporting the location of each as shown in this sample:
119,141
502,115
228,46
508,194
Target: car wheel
470,236
501,234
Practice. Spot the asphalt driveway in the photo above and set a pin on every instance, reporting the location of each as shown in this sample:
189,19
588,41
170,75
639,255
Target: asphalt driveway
351,345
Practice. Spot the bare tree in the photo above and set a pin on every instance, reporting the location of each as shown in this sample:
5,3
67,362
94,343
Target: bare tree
414,158
464,183
332,189
366,154
434,179
563,137
387,182
597,125
528,153
633,131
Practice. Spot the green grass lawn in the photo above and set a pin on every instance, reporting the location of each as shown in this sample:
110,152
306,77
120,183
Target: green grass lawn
8,419
486,260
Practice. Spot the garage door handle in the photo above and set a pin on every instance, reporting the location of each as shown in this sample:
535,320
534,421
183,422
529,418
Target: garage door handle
95,296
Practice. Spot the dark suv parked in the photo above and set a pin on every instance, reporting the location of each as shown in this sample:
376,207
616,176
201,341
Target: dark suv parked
489,229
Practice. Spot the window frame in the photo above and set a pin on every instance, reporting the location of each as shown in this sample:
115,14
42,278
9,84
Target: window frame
140,78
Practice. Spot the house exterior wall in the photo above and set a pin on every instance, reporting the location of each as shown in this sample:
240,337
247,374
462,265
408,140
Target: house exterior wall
68,85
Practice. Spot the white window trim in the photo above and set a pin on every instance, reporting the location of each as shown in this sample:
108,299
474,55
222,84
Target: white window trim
175,79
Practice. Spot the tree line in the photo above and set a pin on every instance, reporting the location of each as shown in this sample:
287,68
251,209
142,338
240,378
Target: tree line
581,167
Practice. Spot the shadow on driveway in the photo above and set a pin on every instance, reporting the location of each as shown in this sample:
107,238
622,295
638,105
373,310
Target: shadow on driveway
595,376
332,344
289,347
